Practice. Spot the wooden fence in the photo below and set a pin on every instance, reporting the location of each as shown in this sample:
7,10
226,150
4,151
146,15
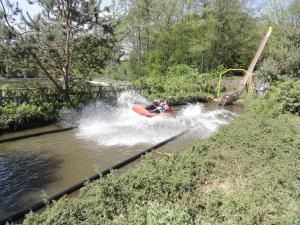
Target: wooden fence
20,95
103,91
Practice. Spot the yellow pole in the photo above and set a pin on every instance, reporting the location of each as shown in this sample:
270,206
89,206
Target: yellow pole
221,74
219,85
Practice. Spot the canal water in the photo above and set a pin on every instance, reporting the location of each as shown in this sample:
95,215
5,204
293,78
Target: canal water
35,168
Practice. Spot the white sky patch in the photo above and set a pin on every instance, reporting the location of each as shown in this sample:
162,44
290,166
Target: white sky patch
31,9
34,9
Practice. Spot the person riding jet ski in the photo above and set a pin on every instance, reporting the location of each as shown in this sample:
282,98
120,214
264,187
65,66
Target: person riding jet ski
158,106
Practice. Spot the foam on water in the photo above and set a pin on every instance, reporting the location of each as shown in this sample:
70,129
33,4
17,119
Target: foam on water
118,125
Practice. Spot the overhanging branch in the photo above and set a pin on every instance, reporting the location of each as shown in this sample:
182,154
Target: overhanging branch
40,64
6,19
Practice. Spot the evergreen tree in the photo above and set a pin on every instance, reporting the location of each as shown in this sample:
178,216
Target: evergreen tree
53,39
232,34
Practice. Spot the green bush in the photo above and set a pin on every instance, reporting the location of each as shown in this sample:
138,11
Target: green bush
282,98
37,105
284,60
154,214
180,82
15,117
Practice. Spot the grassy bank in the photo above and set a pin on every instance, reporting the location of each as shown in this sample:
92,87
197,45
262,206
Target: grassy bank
247,173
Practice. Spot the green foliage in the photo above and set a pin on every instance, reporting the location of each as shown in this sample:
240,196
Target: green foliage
13,64
247,173
284,60
64,41
282,98
29,92
155,214
16,117
94,52
282,13
233,34
32,104
202,34
181,83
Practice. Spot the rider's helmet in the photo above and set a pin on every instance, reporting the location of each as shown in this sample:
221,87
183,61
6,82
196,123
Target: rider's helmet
156,102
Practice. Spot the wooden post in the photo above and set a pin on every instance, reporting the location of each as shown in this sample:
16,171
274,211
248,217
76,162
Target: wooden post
99,94
1,97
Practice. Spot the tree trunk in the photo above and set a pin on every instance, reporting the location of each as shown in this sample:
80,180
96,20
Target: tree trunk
67,52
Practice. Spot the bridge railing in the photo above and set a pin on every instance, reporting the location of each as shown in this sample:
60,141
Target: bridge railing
42,94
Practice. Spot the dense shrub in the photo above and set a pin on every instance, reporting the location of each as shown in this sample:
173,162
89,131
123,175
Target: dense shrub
284,60
180,82
32,104
15,117
154,214
282,98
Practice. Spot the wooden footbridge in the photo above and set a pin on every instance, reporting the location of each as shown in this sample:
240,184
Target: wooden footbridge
100,90
20,95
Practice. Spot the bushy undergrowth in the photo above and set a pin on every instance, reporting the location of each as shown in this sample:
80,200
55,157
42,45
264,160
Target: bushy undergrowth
282,98
284,60
14,116
181,83
33,104
247,173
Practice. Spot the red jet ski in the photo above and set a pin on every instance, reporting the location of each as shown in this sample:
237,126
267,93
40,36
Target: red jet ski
140,109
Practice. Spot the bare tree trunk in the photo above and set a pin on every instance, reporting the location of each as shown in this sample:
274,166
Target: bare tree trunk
148,25
139,43
67,51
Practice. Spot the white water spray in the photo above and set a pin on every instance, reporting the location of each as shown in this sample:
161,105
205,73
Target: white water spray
118,125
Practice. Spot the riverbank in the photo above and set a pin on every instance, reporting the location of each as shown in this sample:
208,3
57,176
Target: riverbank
17,117
244,174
